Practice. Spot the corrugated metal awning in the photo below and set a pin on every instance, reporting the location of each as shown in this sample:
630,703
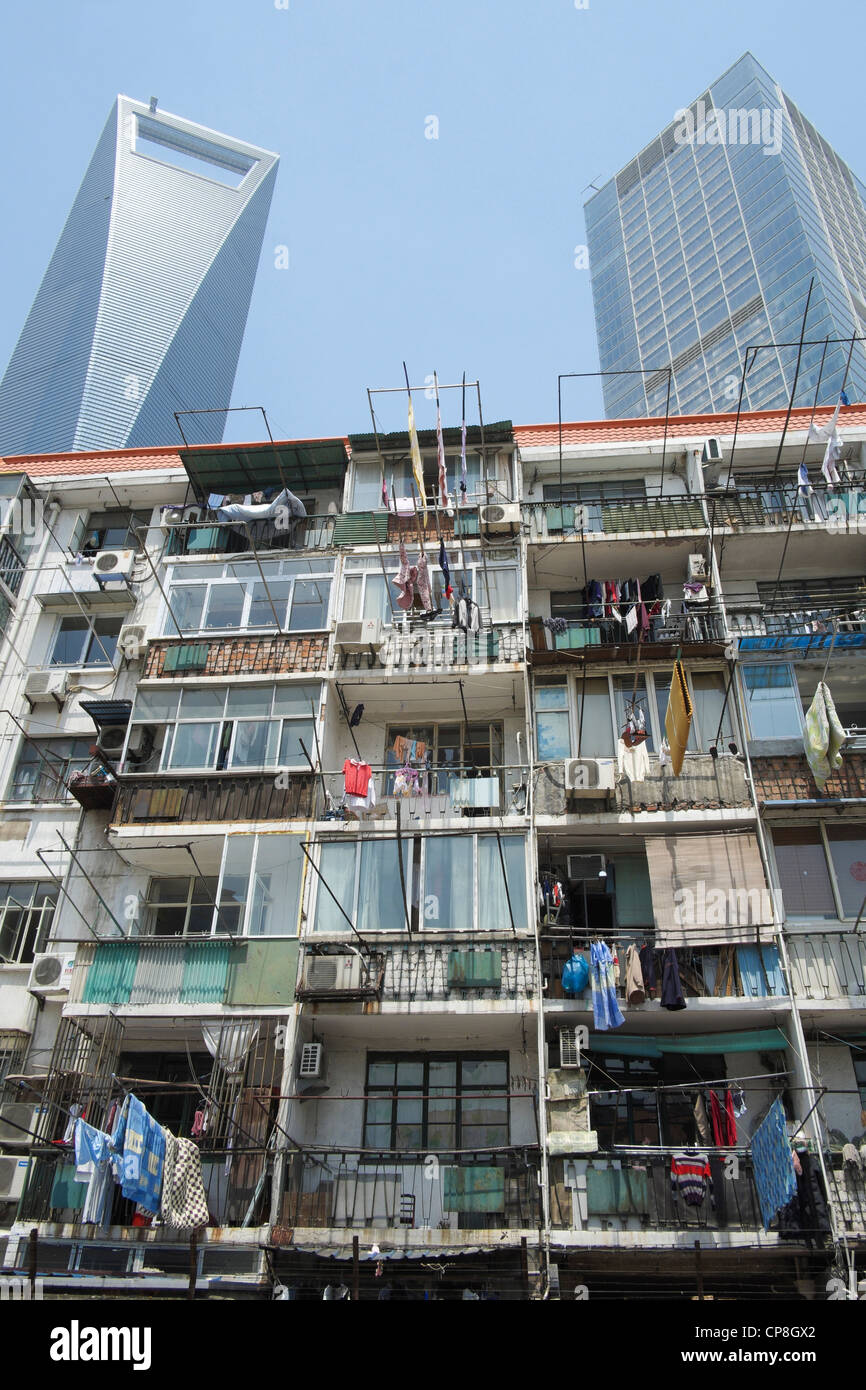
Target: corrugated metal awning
299,465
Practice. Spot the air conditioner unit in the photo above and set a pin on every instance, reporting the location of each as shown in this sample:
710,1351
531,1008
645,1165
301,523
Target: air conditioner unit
312,1063
569,1051
45,688
697,568
359,636
711,451
13,1175
176,516
132,641
500,518
582,867
51,974
111,565
334,974
19,1122
110,740
589,776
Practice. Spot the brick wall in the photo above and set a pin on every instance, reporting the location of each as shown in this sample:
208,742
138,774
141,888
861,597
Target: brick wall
235,656
789,779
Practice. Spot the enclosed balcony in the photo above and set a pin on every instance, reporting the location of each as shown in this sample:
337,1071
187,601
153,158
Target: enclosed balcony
444,970
221,799
401,1192
281,654
151,971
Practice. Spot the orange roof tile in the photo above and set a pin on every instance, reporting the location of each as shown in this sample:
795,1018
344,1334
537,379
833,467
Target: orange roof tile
640,430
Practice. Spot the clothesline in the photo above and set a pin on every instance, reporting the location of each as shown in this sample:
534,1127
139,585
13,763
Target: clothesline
692,1085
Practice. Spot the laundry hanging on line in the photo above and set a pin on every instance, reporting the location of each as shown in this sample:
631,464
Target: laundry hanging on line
823,737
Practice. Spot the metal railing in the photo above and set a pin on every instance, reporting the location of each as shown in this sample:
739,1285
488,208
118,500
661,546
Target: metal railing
434,793
12,566
415,645
828,965
445,969
277,654
487,1189
707,625
706,973
631,1190
218,797
234,538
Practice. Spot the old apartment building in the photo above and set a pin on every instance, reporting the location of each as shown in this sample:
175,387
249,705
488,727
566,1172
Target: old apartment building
310,868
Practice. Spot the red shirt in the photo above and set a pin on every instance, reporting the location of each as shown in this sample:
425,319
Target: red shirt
357,777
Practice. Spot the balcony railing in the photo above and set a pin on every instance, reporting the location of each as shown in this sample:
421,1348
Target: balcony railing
279,654
828,965
726,972
581,632
435,793
416,646
186,970
155,800
12,566
449,1191
631,1190
226,538
445,969
758,504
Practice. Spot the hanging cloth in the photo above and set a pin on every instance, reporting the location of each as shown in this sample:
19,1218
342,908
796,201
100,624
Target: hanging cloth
678,719
771,1163
702,1124
184,1201
635,991
446,574
444,500
404,580
724,1124
422,573
804,487
672,990
605,1009
823,737
417,465
690,1175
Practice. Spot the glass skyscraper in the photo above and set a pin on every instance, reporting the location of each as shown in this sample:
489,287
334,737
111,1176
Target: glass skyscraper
704,245
142,309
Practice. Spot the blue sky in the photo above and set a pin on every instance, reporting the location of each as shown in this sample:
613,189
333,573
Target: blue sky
455,253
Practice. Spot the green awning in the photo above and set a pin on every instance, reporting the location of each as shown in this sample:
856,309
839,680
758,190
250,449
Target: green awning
501,432
361,528
750,1040
300,465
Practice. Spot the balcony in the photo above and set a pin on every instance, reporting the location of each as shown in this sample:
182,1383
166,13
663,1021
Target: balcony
74,586
717,974
786,776
705,783
447,1192
415,647
445,970
699,633
215,538
12,566
453,792
281,654
829,966
94,790
630,1191
172,972
220,798
650,516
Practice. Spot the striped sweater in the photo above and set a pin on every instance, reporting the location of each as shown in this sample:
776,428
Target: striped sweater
690,1173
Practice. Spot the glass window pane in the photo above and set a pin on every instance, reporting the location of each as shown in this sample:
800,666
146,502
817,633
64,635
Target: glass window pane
295,699
225,605
803,873
309,604
493,902
255,743
484,1071
295,732
551,696
594,734
410,1073
337,869
276,887
381,1074
772,702
622,689
187,602
448,877
848,852
236,874
553,738
71,642
202,704
380,894
249,700
194,745
155,704
262,608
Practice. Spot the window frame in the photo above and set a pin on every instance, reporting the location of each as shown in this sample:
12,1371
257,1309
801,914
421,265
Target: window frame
92,653
821,827
34,929
381,1091
245,574
216,898
62,769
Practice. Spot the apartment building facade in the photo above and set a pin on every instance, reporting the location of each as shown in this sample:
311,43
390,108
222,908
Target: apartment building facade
306,866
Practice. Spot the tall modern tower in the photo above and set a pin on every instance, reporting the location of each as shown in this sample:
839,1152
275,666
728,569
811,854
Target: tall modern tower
705,243
142,309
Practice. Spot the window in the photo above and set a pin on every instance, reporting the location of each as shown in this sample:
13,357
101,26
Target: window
190,152
453,883
848,857
84,641
637,1102
255,893
592,496
496,591
26,911
436,1102
772,703
552,737
232,597
109,531
44,767
226,728
803,872
448,747
367,485
13,1050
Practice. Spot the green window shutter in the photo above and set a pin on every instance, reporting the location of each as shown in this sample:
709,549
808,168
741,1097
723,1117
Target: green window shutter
190,656
205,970
475,969
361,528
109,979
